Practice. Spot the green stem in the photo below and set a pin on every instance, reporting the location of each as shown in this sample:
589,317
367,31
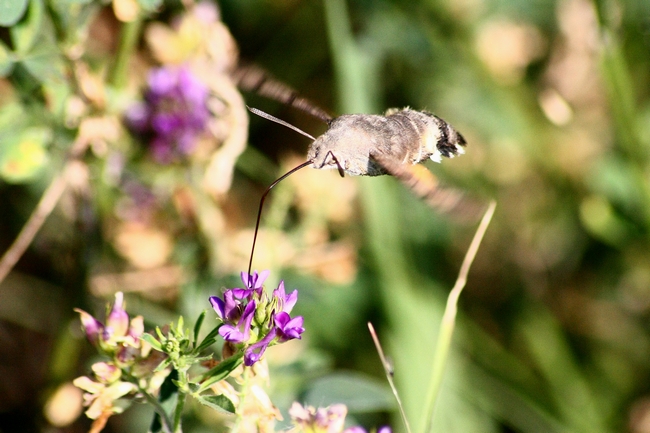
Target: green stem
178,412
245,387
167,423
129,36
353,68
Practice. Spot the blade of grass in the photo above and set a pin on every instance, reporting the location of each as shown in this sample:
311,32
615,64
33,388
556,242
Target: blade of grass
449,319
352,67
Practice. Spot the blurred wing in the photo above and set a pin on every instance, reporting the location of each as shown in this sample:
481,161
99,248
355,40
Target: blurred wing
252,78
426,186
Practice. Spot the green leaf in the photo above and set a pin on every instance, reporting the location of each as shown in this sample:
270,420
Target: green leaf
24,156
220,403
11,11
25,32
209,339
44,63
197,327
152,340
219,372
6,60
44,60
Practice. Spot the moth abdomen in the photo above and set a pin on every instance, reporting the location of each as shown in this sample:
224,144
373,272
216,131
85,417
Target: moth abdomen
436,138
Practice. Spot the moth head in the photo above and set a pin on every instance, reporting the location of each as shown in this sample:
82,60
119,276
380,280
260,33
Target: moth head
345,145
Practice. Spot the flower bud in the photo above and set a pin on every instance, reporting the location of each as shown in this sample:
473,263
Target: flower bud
91,326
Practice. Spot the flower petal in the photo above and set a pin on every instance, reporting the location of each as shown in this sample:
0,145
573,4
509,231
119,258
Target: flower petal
255,351
118,319
287,327
88,385
91,326
218,306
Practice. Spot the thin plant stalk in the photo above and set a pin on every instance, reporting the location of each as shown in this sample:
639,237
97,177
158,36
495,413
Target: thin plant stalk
245,389
178,412
164,418
44,208
388,369
129,35
449,320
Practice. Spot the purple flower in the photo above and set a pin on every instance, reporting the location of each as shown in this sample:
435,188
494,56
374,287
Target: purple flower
239,332
255,351
285,302
319,420
91,326
330,419
288,328
252,322
106,372
117,322
120,337
359,429
174,113
252,283
228,309
355,429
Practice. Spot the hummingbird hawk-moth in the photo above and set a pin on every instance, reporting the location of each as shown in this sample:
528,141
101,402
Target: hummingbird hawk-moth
361,142
372,145
394,144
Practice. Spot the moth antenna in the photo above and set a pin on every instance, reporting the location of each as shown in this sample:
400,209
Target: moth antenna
259,211
267,116
255,79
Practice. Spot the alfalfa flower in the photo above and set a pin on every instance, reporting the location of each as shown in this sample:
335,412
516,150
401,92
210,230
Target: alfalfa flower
252,321
330,419
101,398
119,337
174,113
309,419
130,370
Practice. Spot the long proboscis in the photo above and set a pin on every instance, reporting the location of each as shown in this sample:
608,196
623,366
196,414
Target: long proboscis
259,211
281,178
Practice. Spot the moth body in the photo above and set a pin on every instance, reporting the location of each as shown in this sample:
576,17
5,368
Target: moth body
406,136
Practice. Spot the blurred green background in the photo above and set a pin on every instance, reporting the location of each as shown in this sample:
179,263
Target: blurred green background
553,98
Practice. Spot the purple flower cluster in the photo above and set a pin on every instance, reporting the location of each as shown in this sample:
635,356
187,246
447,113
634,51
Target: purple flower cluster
330,419
174,112
114,380
252,320
120,336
